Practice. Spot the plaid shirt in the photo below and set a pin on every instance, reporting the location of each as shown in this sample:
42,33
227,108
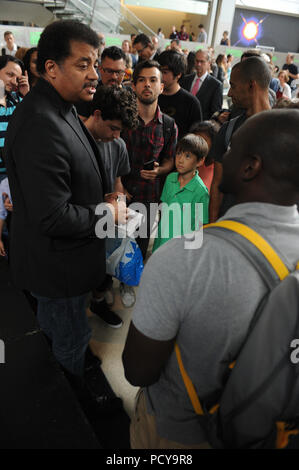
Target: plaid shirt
143,144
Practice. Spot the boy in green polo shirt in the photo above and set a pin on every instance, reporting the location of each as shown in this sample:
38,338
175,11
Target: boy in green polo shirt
183,192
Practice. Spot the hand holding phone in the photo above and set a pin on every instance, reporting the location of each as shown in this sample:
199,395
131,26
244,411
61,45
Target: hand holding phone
149,165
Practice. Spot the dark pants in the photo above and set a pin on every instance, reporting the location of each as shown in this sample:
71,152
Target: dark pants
143,242
65,323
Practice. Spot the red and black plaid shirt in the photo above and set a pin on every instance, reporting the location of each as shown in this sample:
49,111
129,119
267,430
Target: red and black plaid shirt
147,143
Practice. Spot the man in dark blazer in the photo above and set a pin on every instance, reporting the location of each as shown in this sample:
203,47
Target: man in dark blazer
57,179
204,86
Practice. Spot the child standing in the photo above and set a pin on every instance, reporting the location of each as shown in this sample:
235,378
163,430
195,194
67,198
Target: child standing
183,190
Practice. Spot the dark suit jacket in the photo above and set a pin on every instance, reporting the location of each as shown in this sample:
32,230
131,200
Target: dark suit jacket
210,94
56,179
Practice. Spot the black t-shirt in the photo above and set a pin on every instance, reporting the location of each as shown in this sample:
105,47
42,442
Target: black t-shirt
294,70
183,107
219,147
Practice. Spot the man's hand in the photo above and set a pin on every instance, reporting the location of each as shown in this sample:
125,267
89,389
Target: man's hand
2,250
151,174
117,204
23,87
7,202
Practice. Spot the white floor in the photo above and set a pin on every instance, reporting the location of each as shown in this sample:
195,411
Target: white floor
108,344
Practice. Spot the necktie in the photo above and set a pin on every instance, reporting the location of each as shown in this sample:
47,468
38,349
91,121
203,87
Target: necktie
195,87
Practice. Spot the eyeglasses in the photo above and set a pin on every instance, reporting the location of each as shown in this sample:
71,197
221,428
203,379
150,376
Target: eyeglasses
119,73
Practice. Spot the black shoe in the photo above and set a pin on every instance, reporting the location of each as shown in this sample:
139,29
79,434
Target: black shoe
91,360
102,310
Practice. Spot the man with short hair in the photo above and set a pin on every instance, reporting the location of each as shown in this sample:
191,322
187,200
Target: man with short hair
178,103
16,86
154,139
112,70
145,48
207,89
175,45
292,71
57,180
114,109
208,316
202,36
249,90
11,47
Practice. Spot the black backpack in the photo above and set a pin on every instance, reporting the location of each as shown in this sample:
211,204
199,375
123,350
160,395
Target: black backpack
259,405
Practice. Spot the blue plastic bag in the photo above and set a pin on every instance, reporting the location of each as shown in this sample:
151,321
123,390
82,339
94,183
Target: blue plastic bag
124,260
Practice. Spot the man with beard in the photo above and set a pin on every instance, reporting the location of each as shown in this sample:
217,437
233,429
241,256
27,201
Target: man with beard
57,180
154,139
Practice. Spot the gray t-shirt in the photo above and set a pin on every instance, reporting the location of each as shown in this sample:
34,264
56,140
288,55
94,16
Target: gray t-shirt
206,298
116,160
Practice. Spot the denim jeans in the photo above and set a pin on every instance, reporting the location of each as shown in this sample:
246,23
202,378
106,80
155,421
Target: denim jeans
65,323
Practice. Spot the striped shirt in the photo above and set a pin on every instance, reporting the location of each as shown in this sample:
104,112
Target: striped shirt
12,99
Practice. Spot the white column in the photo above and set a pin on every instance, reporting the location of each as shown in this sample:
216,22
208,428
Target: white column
224,19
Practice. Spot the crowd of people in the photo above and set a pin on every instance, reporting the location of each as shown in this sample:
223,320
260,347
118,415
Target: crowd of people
82,124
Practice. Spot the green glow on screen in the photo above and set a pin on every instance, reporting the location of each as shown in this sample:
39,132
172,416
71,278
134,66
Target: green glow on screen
34,37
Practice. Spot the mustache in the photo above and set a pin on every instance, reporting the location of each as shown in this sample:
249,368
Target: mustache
92,84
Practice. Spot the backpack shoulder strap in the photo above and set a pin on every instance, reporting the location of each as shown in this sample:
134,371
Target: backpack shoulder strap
230,130
252,245
168,125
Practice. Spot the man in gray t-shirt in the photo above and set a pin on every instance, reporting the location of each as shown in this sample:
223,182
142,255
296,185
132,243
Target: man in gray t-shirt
204,298
113,110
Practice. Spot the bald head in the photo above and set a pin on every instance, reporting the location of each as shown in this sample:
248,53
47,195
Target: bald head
273,135
254,68
262,164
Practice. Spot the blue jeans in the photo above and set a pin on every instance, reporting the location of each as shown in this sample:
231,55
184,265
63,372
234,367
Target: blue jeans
65,323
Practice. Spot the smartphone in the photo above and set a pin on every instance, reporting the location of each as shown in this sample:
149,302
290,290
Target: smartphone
149,165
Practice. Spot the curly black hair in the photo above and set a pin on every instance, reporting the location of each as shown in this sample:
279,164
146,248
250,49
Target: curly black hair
116,104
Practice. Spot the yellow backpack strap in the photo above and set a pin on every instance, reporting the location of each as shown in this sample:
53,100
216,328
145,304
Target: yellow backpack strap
188,384
258,241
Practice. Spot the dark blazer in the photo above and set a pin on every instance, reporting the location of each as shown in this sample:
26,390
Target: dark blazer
210,94
57,179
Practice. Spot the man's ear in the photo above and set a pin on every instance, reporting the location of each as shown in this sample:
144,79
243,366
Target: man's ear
252,167
97,114
51,68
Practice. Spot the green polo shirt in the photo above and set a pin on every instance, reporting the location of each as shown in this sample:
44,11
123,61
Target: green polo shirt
184,209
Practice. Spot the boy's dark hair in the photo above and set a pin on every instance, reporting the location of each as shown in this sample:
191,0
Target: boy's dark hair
114,53
4,59
254,68
146,64
116,104
175,62
55,41
143,39
194,144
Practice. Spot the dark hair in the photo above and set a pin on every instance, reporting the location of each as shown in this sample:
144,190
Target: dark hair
7,33
254,68
26,60
251,53
146,64
206,127
4,59
175,61
116,103
201,26
219,59
194,144
114,53
191,62
143,39
55,41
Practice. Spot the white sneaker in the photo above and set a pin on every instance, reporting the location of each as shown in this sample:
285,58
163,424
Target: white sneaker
127,295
